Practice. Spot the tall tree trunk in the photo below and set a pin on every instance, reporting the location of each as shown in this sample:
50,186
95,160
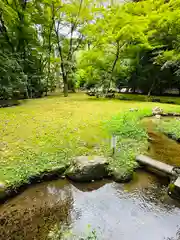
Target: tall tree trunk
64,75
114,63
27,91
65,87
151,88
50,48
65,79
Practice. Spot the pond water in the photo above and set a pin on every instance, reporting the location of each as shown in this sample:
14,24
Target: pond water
162,148
137,210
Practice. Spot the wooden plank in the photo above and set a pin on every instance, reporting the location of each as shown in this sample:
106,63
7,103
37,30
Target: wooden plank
154,164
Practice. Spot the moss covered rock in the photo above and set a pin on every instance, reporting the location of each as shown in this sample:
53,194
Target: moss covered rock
85,168
121,175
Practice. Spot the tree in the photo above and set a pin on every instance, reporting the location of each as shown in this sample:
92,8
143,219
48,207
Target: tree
88,43
138,45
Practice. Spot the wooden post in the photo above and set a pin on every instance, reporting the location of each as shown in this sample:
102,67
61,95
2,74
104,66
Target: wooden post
113,144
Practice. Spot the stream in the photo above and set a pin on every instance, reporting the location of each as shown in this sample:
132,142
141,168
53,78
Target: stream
61,209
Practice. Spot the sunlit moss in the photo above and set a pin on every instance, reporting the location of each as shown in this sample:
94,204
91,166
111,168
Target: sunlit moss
42,133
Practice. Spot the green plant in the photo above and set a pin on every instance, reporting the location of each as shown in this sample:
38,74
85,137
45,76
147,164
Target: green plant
58,233
132,140
171,127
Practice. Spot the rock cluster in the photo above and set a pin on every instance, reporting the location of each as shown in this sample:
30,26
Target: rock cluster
157,111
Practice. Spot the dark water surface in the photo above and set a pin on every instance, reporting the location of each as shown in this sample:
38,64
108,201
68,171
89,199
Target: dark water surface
137,210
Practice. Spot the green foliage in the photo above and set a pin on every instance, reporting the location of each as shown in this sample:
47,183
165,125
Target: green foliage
63,234
21,61
123,162
132,140
171,127
88,44
137,44
38,43
128,126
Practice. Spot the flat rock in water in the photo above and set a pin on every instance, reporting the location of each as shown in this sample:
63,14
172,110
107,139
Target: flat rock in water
85,168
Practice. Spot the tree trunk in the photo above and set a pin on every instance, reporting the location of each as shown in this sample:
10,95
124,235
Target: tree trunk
64,75
65,87
114,63
50,48
151,88
65,80
179,91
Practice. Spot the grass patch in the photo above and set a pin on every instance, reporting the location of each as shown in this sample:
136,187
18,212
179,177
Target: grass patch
43,133
171,128
131,140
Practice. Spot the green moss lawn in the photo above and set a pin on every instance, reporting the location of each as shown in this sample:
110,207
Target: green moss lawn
43,133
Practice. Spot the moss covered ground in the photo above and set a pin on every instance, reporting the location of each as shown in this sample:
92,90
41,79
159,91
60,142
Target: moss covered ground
43,133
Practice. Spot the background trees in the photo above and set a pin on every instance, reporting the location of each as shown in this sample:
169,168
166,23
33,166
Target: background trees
38,42
86,43
139,42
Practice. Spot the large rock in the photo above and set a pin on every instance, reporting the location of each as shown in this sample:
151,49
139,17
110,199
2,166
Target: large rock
49,174
85,169
157,111
121,175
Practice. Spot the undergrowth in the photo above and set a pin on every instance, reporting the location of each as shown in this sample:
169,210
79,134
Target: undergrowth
131,139
171,127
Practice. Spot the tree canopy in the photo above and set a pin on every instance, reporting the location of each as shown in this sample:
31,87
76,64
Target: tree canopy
87,43
134,44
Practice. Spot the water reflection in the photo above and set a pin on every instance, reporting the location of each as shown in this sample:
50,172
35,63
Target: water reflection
34,213
137,210
89,187
177,236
